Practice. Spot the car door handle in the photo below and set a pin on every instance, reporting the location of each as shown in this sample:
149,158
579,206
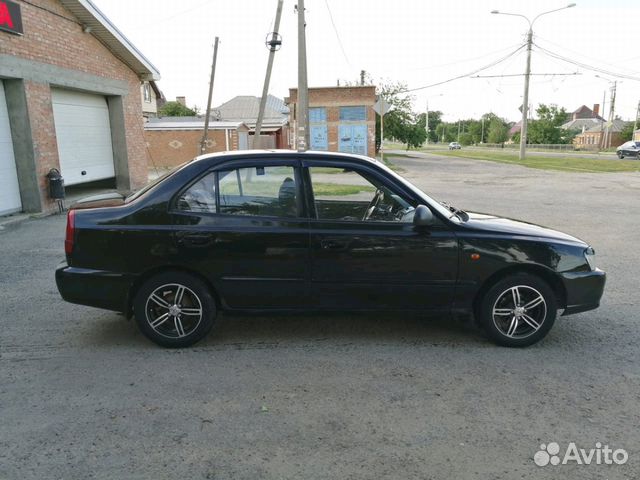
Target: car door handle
195,239
333,245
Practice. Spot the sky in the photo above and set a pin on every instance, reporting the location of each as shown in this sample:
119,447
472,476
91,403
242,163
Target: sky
416,42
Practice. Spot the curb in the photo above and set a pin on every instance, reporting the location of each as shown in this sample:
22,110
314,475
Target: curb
23,217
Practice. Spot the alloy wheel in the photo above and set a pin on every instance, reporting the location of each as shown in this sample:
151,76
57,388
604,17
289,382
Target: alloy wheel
173,310
519,311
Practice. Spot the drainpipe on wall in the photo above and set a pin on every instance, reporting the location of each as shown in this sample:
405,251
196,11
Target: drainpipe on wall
226,138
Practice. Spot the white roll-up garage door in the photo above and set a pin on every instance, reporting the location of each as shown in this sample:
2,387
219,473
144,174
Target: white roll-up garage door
83,134
9,187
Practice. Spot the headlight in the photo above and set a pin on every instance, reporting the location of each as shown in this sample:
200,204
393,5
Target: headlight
590,256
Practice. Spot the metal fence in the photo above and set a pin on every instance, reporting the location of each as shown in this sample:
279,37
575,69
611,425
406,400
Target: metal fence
562,147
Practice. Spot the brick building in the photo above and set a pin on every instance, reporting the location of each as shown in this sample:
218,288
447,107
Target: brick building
341,119
600,136
245,108
173,141
69,99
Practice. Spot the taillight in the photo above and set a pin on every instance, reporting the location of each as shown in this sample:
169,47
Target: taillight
71,232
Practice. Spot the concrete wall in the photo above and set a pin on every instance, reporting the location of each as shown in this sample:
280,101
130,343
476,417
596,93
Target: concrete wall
169,148
332,98
55,52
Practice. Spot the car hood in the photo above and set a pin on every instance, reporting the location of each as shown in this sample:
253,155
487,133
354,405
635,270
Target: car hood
111,199
495,224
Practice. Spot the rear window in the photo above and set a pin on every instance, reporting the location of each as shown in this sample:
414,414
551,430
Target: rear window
152,184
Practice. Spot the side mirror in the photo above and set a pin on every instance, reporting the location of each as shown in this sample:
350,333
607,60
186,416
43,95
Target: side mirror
422,217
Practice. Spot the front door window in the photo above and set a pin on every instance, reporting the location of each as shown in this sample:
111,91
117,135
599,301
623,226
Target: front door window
349,195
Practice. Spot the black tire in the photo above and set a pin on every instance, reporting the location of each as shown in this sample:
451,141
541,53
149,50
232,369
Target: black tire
620,155
170,318
517,328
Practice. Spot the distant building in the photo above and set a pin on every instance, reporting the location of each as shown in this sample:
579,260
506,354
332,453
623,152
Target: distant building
152,99
172,141
636,135
341,119
244,108
594,137
584,119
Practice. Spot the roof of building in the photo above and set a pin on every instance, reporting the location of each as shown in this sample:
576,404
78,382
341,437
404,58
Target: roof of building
177,123
245,108
584,112
581,123
616,126
108,34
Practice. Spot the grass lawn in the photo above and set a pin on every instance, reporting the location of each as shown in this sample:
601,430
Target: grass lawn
334,189
567,164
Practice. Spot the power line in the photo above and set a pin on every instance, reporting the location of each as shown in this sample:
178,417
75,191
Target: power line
433,67
344,53
583,55
584,65
522,74
492,64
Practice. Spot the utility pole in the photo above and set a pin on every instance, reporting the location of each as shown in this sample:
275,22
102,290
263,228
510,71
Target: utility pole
482,131
607,137
601,143
527,73
274,45
525,99
203,142
635,123
303,91
426,126
458,131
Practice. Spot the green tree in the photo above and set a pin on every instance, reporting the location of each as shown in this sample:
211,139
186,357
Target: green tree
176,109
626,133
435,119
546,129
497,130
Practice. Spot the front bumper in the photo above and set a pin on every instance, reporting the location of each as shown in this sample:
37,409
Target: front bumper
584,290
95,288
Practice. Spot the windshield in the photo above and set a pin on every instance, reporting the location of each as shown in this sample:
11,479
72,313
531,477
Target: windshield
152,184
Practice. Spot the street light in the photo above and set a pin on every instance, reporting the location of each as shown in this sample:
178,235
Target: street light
527,72
427,117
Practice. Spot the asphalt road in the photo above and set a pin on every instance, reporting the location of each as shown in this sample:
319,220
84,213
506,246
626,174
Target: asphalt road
84,395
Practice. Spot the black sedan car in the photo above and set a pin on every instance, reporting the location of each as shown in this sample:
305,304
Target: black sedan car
288,231
628,149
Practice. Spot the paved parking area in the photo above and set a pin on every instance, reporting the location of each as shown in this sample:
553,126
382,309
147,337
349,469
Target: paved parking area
84,395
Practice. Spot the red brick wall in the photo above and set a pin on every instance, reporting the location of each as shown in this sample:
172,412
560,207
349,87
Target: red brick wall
53,40
169,148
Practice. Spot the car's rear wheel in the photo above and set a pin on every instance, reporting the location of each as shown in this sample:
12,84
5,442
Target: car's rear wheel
174,309
518,310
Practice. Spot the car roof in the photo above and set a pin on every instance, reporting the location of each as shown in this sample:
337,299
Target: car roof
280,153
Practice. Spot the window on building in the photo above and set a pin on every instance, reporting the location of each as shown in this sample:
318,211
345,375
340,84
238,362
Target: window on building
353,114
147,92
318,115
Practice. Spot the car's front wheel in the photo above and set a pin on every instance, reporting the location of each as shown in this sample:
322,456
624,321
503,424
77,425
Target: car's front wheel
174,309
620,155
518,310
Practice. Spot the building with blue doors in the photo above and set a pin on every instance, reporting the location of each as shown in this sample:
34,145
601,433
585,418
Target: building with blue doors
341,119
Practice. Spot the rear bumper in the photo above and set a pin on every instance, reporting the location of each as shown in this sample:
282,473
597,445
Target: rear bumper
95,288
584,290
